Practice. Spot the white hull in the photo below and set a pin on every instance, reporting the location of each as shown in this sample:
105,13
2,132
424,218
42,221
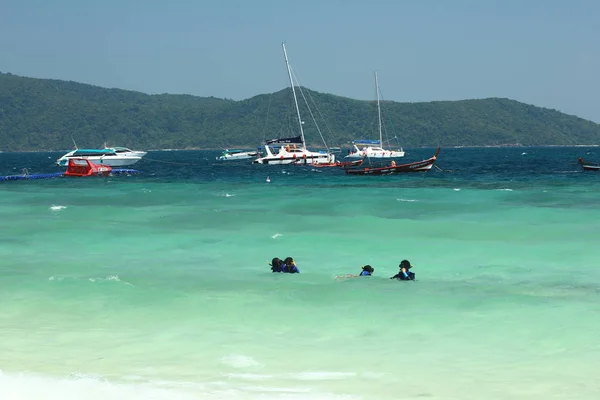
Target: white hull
132,153
111,161
375,153
111,156
294,156
238,156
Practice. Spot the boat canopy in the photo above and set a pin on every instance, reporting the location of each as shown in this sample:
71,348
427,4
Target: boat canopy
296,139
367,142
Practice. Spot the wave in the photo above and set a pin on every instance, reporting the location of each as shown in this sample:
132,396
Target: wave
25,386
108,278
240,361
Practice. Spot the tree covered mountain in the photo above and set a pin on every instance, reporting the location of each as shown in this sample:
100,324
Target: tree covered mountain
45,114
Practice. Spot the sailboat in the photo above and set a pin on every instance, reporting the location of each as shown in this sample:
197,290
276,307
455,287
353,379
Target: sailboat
292,150
373,148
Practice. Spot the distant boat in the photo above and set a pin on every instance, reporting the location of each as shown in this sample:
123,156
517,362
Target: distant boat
373,148
392,168
588,166
292,150
342,164
111,156
232,155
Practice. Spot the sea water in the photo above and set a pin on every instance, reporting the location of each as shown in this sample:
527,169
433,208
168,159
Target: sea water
157,285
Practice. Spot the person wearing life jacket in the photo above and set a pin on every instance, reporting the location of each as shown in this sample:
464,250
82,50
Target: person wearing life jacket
367,270
276,265
404,274
289,266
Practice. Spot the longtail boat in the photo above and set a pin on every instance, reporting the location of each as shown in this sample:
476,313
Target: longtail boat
342,164
392,168
588,166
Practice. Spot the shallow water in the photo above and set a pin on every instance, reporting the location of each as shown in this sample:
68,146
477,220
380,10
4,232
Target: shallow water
157,286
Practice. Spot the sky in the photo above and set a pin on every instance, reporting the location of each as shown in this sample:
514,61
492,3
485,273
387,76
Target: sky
540,52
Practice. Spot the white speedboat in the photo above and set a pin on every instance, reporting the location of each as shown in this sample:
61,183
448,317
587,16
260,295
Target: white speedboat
113,157
373,148
232,155
297,153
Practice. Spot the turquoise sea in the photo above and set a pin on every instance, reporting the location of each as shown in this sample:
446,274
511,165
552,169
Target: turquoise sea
156,286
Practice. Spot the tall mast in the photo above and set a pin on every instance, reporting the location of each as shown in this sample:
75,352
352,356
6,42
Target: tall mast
287,64
378,110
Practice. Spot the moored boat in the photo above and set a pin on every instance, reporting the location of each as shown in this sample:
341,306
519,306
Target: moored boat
589,166
84,167
392,168
374,148
342,164
111,156
292,150
232,155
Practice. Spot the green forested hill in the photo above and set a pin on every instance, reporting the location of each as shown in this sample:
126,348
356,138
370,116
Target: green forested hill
43,114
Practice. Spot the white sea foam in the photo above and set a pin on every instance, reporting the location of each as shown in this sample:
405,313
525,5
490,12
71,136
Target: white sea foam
275,236
506,190
240,361
456,189
322,375
109,278
266,389
250,377
32,387
407,200
57,208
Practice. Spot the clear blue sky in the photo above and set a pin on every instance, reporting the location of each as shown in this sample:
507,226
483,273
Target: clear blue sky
541,52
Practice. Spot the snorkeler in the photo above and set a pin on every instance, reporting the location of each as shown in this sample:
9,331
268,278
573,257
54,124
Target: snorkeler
289,266
367,270
276,265
404,274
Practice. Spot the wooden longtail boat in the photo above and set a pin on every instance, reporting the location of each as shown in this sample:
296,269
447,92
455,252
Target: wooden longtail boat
392,168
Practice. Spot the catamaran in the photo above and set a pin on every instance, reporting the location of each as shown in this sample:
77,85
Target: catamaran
292,150
373,148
